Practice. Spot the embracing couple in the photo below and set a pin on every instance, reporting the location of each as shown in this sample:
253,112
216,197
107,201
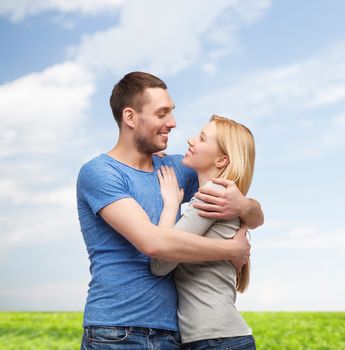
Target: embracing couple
160,280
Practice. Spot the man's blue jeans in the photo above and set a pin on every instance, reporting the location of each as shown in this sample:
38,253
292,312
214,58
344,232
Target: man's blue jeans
129,338
246,342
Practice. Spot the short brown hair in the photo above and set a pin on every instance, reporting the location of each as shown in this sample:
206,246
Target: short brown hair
130,92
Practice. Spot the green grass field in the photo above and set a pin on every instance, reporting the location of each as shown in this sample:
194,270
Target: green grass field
272,330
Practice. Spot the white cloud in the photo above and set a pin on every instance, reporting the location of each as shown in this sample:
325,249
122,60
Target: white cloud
295,266
19,9
16,192
45,224
40,109
286,103
334,134
306,238
308,85
40,114
251,11
35,217
169,37
298,236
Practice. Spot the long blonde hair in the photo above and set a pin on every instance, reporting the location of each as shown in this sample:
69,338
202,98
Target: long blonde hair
237,142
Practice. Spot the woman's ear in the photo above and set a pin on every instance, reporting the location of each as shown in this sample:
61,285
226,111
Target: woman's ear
130,117
222,161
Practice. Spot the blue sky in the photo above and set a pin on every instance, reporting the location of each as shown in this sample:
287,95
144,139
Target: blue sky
278,67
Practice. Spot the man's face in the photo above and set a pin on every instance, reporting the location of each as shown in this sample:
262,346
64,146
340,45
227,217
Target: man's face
155,121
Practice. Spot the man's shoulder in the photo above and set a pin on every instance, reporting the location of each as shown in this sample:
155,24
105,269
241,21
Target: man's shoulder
102,161
100,168
175,161
91,165
102,173
171,159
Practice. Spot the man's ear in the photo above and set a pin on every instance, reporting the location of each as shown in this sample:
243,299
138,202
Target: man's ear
130,117
222,161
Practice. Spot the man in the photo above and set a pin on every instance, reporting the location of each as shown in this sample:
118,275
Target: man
119,205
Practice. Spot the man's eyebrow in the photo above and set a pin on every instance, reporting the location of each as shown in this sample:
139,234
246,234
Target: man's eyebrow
165,109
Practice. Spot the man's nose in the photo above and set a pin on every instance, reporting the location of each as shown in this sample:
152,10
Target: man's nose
171,123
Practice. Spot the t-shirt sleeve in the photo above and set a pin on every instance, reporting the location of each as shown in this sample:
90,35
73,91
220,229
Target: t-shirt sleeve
191,222
191,184
101,186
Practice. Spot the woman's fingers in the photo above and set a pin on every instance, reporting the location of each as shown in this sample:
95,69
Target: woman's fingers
164,172
167,177
160,176
169,185
168,174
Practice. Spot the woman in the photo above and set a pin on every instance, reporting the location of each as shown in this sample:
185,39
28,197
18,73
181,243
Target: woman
207,315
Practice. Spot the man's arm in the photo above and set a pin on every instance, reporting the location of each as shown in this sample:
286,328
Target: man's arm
229,204
126,216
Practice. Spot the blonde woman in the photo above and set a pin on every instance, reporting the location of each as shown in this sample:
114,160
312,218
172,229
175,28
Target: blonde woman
208,318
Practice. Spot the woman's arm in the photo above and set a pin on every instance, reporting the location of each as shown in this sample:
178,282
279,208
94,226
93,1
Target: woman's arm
170,244
190,221
172,196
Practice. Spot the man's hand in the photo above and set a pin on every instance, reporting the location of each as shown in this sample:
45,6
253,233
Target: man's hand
243,249
228,204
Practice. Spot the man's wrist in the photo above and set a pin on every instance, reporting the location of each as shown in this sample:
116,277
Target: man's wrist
246,208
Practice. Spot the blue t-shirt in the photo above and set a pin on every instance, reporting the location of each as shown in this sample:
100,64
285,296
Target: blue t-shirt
122,291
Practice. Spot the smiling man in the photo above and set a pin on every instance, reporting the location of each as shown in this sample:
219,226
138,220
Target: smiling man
119,205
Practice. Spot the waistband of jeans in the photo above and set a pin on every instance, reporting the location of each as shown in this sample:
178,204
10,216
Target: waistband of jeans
136,330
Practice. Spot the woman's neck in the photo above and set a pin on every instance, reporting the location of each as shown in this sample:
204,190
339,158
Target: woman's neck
206,176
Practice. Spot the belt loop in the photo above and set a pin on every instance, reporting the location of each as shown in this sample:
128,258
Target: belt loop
87,334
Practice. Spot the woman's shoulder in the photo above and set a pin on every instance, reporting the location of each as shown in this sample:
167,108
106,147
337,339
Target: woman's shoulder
211,184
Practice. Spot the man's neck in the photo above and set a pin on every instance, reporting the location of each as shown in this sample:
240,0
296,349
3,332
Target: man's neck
132,157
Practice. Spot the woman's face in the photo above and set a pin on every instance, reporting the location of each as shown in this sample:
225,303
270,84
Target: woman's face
203,149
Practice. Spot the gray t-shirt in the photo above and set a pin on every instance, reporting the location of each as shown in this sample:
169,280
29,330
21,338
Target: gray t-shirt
206,290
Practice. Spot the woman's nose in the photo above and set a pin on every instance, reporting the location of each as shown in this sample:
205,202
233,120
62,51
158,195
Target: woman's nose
190,142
